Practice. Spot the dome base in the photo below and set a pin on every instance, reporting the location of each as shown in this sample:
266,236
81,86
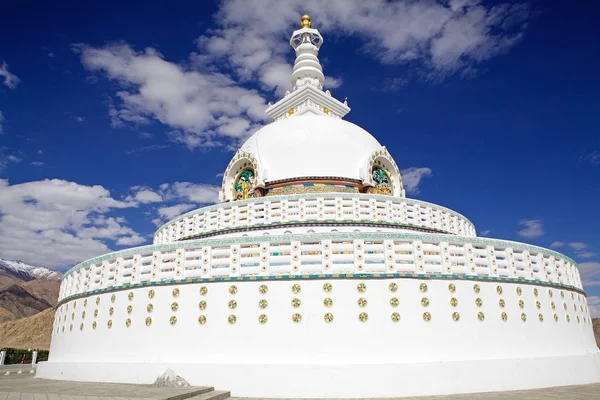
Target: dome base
348,380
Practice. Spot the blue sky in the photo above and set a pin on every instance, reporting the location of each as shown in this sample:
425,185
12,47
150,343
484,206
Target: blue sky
116,116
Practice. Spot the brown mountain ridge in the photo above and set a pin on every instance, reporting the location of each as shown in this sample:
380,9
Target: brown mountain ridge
26,289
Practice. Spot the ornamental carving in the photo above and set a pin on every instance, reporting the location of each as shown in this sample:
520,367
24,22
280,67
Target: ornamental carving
382,182
384,174
241,180
243,185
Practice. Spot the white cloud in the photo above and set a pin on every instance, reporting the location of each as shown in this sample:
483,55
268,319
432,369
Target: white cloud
592,158
590,273
157,221
174,211
411,178
13,158
485,233
6,159
440,37
391,85
132,240
580,250
197,193
533,228
10,80
145,135
203,101
594,306
170,200
147,148
182,197
586,254
60,223
144,195
200,105
578,246
37,163
56,222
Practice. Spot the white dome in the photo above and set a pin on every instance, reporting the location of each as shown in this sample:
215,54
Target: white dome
311,146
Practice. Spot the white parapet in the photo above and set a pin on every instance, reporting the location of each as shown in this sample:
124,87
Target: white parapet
321,253
350,210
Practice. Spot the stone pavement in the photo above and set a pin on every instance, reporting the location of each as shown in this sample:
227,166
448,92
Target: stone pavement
580,392
25,387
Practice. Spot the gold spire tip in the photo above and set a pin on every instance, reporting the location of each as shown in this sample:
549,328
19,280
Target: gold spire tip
305,21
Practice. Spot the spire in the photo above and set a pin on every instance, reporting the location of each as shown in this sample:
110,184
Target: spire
307,95
307,68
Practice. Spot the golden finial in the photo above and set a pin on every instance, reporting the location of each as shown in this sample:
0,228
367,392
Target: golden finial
305,21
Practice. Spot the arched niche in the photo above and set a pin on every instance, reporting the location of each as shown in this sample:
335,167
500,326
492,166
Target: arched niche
383,174
242,179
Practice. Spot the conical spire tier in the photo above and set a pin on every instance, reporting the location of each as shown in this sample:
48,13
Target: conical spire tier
307,95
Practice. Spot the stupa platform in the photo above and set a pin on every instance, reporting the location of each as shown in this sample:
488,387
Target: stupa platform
27,387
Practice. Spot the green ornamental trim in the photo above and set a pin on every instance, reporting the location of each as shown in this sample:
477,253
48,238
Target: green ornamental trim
361,276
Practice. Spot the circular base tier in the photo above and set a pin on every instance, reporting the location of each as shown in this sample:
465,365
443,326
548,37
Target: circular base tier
348,380
330,337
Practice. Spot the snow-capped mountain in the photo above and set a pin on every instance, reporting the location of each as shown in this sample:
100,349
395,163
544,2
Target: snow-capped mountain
28,272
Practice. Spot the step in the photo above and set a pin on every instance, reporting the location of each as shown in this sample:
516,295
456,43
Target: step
17,373
214,395
192,394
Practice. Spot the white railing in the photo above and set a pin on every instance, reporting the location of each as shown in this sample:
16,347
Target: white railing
337,207
329,253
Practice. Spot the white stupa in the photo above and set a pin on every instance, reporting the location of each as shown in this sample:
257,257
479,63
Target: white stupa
316,277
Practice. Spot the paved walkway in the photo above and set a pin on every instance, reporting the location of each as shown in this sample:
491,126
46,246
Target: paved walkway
581,392
26,387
